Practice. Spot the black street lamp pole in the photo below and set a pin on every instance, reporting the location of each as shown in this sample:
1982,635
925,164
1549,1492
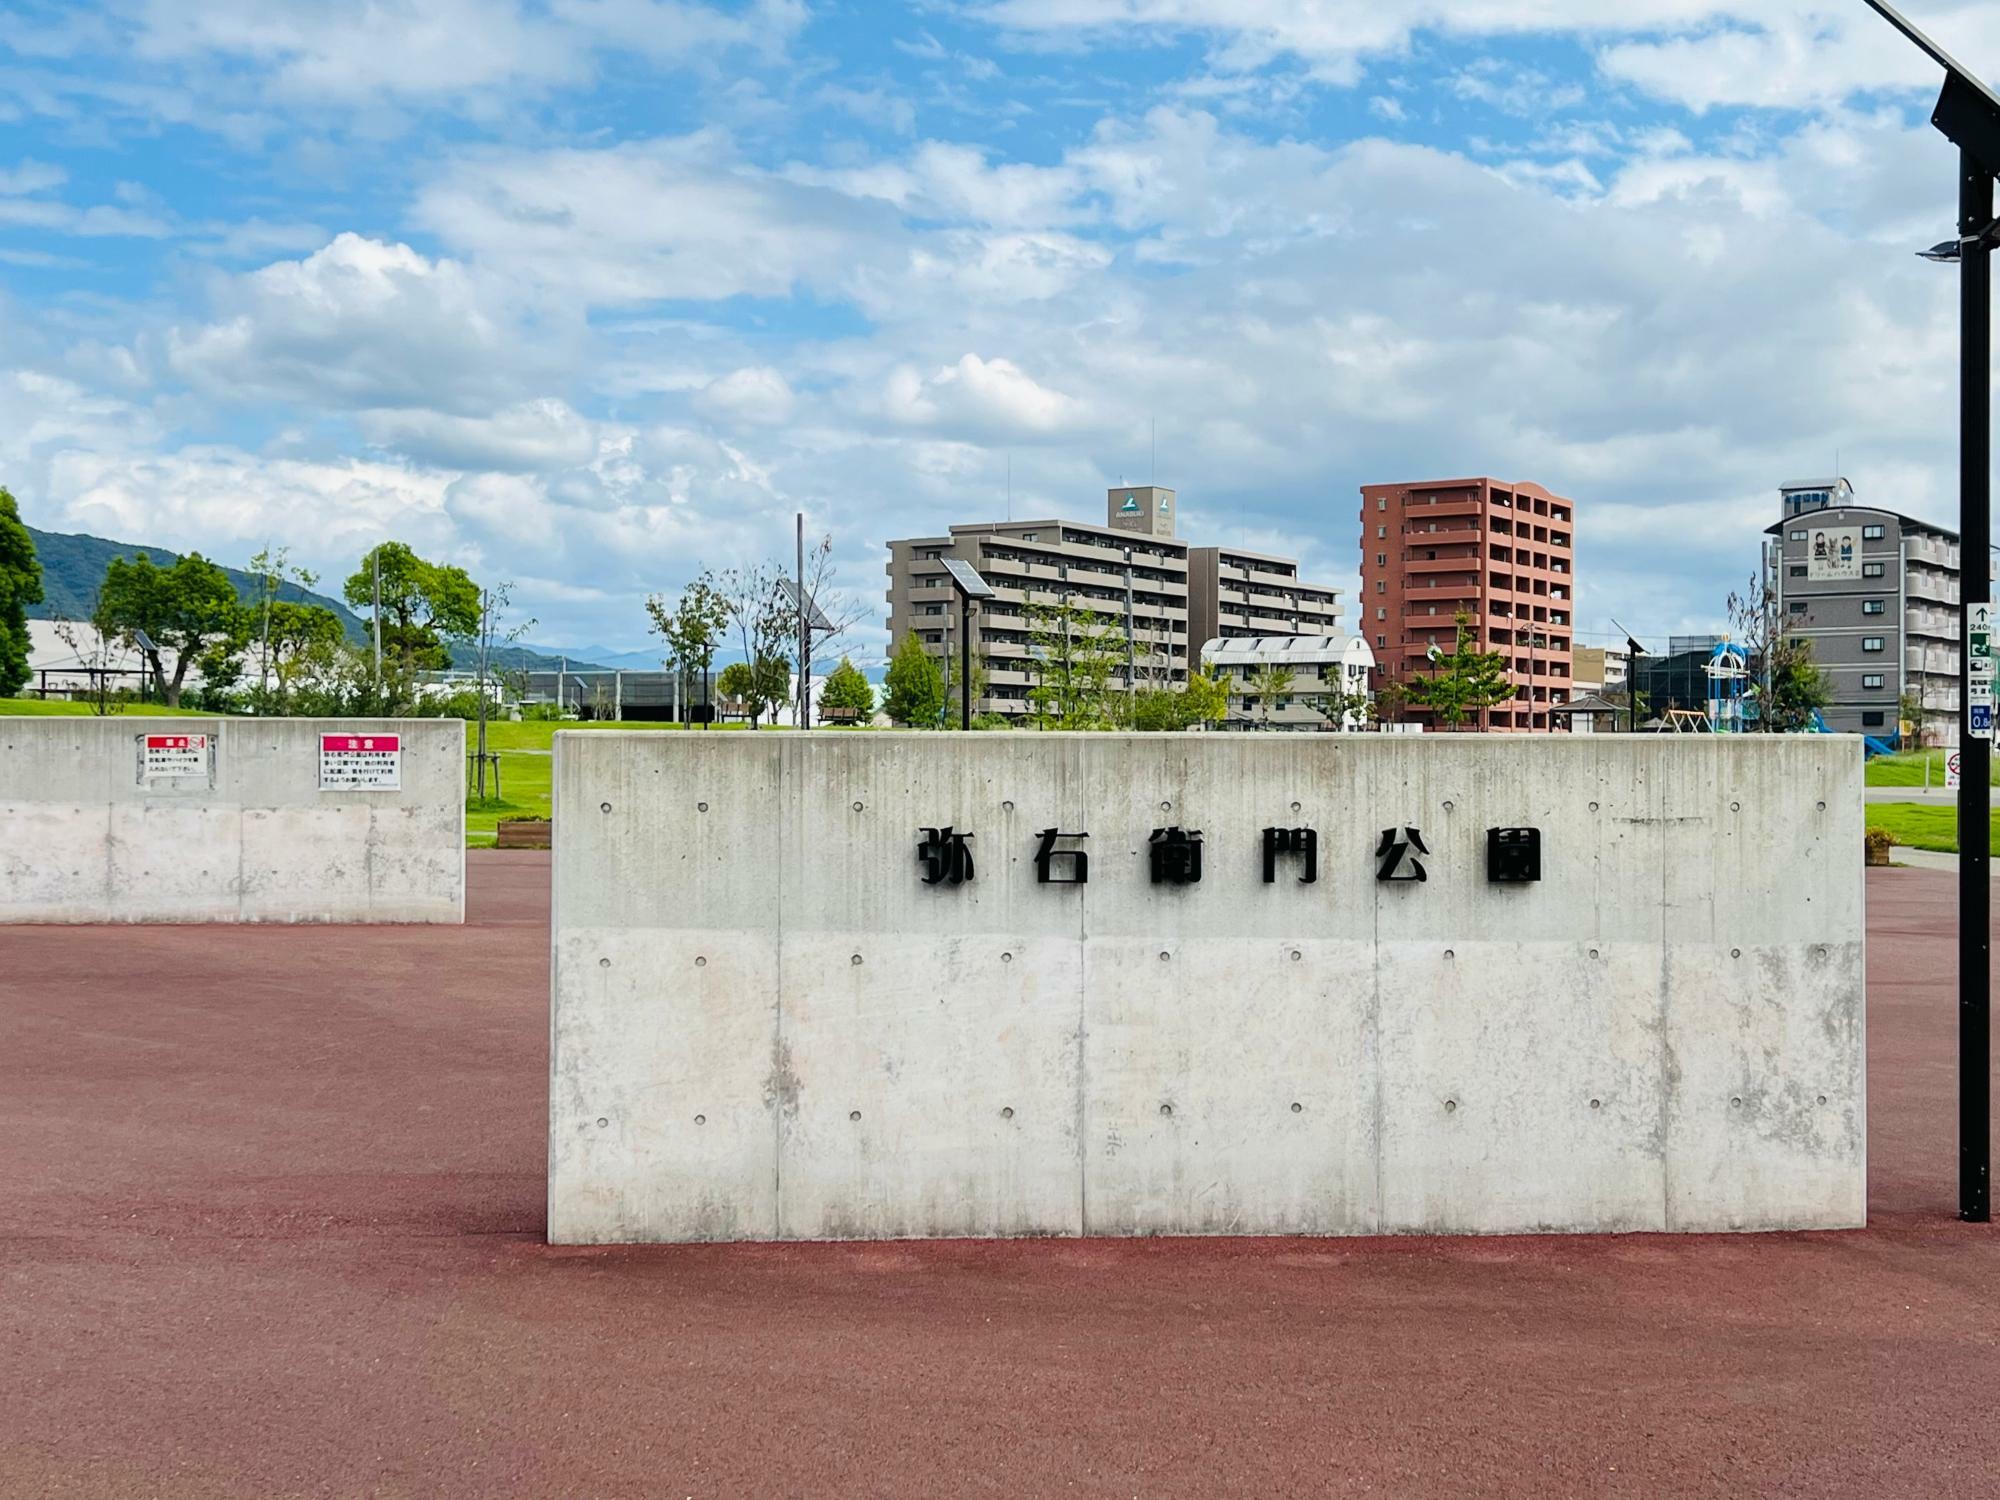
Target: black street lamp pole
1975,520
1968,115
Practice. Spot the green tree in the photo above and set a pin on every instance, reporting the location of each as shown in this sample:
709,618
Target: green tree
1268,684
295,638
915,686
20,586
760,686
1463,683
1201,700
691,625
424,605
189,613
1076,654
846,688
1798,686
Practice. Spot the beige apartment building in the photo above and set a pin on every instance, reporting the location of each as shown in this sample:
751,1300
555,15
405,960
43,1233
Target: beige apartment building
1170,597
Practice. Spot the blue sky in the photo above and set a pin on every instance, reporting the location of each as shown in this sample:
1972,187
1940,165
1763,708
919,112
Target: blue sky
586,294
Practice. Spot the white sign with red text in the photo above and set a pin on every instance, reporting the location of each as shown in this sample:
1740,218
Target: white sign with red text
173,757
360,763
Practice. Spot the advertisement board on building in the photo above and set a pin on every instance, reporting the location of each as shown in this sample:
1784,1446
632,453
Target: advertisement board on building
360,763
1833,553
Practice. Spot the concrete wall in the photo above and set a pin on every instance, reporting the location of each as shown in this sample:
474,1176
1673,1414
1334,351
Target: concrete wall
765,1026
83,840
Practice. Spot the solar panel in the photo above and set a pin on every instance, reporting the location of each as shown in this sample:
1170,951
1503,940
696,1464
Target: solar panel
967,578
1930,48
814,619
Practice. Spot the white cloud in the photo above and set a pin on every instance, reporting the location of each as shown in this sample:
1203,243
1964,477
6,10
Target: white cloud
360,323
646,222
980,398
758,395
529,437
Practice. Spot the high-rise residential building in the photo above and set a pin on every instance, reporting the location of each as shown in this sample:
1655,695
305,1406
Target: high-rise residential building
1132,568
1877,594
1501,553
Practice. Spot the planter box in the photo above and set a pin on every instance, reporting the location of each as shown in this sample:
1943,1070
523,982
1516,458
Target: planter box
537,833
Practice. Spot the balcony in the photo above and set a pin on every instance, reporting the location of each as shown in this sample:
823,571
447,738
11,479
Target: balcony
1417,536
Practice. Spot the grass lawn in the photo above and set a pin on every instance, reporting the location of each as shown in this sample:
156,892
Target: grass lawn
1907,769
57,708
1921,825
527,766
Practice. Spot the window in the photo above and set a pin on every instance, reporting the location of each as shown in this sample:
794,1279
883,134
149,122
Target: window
1872,719
1381,502
1381,641
1381,613
1381,559
1871,570
1381,532
1871,643
1796,570
1381,586
1871,606
1798,536
1871,533
1871,679
1797,606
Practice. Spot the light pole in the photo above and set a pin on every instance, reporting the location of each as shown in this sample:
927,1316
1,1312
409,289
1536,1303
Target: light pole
965,578
1968,115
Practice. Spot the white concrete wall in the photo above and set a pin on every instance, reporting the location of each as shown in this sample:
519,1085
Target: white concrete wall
765,1026
82,840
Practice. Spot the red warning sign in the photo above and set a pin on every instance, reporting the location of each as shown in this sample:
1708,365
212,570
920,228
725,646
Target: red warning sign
174,757
360,763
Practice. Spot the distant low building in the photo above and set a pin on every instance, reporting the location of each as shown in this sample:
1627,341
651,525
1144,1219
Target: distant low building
1322,667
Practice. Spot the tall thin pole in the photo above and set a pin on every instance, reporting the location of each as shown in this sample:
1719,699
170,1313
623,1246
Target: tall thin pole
1129,663
1975,891
964,660
377,613
485,645
803,718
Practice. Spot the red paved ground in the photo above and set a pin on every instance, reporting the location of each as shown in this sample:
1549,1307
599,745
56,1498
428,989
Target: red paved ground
270,1223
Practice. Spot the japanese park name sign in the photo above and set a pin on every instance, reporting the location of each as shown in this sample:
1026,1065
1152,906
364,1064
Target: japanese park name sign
881,985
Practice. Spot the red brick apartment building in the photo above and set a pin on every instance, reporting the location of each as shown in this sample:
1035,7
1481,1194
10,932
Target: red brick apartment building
1503,553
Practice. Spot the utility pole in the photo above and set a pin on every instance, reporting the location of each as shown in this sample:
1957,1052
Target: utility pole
485,645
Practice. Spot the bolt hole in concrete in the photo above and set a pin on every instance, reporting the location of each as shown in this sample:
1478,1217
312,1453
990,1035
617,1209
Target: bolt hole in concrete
701,1119
1597,1104
1295,955
1735,1103
1736,807
1821,806
604,963
857,807
604,807
1007,1113
602,1123
1822,1098
1296,807
1006,958
1165,956
854,1114
701,963
856,959
1735,952
1593,807
1296,1106
1166,1109
1451,1106
1593,953
1166,807
1447,805
701,807
1006,807
1449,955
